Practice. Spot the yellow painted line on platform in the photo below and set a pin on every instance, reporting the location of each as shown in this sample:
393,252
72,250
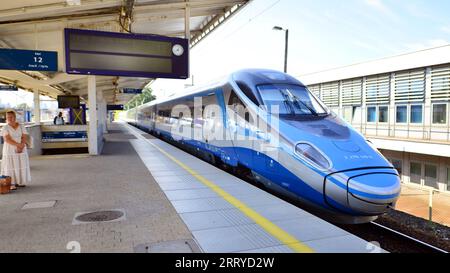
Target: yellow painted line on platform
68,156
271,228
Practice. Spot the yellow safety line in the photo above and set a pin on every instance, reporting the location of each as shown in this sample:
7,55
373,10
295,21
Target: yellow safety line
263,222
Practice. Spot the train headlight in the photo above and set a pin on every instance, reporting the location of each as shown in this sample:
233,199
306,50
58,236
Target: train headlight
312,154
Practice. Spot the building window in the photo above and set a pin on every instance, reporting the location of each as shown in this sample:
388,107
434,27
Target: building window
383,114
440,114
401,114
347,114
448,179
371,114
356,118
431,171
398,166
431,176
416,114
415,171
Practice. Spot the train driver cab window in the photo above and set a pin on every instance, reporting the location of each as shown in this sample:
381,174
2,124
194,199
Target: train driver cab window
292,100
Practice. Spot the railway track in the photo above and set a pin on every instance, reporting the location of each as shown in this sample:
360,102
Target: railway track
390,239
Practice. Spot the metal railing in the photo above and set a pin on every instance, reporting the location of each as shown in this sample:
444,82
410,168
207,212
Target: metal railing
425,202
426,131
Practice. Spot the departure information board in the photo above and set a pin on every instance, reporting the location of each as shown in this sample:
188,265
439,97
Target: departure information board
121,54
67,101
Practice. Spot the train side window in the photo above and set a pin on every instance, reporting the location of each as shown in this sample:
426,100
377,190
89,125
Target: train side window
238,106
235,103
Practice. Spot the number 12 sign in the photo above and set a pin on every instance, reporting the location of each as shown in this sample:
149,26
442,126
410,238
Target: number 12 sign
32,60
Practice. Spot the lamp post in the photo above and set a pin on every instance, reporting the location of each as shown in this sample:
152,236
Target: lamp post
286,43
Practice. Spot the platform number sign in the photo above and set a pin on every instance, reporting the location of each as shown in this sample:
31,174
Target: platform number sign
31,60
38,59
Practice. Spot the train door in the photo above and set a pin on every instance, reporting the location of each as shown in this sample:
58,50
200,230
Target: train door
216,132
240,132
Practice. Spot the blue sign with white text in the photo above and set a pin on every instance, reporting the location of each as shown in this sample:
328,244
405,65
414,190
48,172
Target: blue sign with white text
8,88
114,107
64,136
132,91
33,60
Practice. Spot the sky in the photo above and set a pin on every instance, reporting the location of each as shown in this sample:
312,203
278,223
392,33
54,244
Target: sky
323,34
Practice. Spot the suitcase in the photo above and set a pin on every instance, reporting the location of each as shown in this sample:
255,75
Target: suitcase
5,184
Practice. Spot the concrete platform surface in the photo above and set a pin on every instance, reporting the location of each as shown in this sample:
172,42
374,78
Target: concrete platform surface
117,179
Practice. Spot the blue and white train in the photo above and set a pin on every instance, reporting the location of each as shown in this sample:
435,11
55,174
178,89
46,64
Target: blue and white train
302,150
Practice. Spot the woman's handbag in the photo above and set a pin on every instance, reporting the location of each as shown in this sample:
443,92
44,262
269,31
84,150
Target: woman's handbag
29,141
5,184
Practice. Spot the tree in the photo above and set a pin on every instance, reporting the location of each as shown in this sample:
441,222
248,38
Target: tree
23,106
145,97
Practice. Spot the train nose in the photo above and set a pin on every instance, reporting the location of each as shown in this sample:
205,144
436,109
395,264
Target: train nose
369,193
373,193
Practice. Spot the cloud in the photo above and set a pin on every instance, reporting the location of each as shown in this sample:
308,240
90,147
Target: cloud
366,46
446,29
379,6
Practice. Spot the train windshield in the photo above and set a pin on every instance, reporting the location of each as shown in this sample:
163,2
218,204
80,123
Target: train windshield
291,100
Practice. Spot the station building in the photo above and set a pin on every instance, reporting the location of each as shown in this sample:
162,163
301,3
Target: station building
401,104
40,26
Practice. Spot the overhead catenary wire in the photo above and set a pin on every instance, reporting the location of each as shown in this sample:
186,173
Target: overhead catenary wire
242,26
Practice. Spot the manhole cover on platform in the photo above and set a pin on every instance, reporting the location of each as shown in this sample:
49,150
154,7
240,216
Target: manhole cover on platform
99,216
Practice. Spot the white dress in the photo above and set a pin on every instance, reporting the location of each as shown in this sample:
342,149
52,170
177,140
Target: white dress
15,165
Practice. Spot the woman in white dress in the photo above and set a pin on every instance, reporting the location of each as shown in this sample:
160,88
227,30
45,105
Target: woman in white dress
15,161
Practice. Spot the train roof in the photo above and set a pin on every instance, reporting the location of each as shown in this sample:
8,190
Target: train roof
249,77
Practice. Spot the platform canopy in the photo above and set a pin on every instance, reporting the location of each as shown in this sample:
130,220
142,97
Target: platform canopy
40,24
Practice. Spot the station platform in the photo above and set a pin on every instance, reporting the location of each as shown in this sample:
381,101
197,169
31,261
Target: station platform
172,201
